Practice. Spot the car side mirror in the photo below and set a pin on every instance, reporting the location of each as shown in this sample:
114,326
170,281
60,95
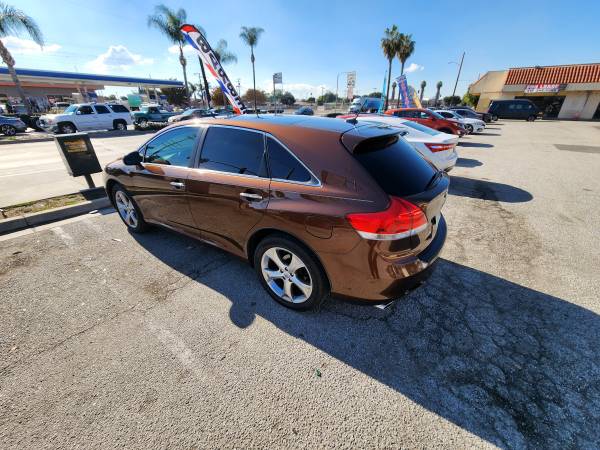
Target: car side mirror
133,159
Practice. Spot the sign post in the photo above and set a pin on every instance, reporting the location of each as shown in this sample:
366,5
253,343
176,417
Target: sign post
78,155
277,79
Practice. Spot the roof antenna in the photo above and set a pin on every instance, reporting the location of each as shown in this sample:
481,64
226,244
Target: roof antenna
353,120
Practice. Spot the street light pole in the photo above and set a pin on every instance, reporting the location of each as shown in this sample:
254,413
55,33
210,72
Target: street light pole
458,76
337,80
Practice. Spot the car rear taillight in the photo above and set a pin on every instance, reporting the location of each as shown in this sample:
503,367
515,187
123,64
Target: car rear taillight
439,147
401,219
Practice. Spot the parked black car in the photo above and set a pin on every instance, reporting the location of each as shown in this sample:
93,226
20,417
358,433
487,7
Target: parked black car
471,114
304,111
514,109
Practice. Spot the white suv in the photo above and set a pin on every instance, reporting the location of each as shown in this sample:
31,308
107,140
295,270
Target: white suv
87,116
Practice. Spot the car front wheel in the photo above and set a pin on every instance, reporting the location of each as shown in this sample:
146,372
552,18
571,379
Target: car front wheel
469,128
67,128
290,274
128,210
8,130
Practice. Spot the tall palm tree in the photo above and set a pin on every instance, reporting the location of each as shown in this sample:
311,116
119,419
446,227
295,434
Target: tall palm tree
423,84
437,94
250,36
12,22
169,22
393,91
389,45
406,47
223,55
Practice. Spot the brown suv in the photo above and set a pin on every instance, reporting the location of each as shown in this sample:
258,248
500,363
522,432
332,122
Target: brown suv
316,205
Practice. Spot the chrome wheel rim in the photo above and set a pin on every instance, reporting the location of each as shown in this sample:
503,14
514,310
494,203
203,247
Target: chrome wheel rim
126,209
121,126
143,124
286,275
8,130
68,129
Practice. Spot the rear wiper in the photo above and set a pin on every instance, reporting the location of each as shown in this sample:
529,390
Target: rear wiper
433,178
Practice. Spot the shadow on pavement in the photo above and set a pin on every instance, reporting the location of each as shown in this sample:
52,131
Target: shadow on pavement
488,134
468,162
487,190
514,366
474,144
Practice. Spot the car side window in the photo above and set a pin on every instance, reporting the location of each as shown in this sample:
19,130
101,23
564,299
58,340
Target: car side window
283,165
174,147
423,115
101,109
153,110
84,110
234,150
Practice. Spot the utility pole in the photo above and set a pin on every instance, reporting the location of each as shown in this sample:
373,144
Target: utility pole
458,76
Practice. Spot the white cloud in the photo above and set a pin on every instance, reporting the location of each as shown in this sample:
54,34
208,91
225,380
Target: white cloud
18,46
412,67
188,50
117,58
299,90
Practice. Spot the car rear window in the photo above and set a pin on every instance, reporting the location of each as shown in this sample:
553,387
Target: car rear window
119,108
396,166
422,128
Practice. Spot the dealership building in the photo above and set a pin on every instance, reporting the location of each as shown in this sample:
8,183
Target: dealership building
563,92
45,87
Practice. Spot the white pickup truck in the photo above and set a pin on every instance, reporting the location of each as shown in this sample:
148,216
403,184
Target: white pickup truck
87,116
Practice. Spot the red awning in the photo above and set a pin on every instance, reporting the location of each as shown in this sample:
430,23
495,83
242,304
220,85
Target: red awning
579,73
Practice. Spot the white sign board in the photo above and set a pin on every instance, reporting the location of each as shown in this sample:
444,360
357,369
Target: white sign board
350,84
277,78
533,88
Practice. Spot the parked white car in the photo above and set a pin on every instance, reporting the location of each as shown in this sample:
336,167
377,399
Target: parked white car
470,124
433,145
87,116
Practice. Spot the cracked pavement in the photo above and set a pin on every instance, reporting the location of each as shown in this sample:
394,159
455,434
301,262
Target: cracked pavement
113,340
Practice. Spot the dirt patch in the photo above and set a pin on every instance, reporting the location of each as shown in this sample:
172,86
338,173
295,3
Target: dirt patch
51,203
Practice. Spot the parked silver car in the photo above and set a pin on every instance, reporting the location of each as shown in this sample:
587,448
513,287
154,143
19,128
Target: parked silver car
9,126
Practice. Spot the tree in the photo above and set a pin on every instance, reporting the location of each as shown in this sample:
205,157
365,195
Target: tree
389,45
223,55
470,99
375,94
328,97
250,36
437,94
169,22
393,90
310,100
287,99
423,84
406,47
451,100
218,98
175,96
13,22
258,96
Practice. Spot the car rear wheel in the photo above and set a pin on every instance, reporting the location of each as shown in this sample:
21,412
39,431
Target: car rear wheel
290,274
120,125
495,118
67,128
469,128
128,210
8,130
143,124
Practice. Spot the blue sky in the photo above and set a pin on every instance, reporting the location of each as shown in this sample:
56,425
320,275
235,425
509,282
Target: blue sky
312,41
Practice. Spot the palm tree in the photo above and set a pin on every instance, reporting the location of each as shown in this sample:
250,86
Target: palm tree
223,55
389,45
423,84
437,94
393,90
250,37
169,22
12,22
406,47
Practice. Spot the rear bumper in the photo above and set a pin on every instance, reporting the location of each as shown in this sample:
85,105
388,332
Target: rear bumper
381,280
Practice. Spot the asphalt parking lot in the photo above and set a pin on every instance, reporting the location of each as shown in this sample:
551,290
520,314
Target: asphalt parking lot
158,341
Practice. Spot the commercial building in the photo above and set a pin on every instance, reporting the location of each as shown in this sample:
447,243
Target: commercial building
44,87
563,92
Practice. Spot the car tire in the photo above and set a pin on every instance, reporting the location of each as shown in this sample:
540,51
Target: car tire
67,128
469,128
128,210
306,281
8,130
143,124
495,118
531,118
120,125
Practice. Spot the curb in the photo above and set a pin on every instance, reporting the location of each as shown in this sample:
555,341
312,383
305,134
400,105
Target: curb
109,133
52,215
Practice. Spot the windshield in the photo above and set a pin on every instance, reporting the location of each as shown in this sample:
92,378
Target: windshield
71,109
422,128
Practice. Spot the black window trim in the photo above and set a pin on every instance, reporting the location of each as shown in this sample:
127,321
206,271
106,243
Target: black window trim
195,153
314,181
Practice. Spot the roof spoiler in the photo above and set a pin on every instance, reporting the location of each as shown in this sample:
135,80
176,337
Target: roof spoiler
372,136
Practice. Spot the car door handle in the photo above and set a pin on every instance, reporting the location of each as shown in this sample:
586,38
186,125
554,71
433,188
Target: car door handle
177,184
250,197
